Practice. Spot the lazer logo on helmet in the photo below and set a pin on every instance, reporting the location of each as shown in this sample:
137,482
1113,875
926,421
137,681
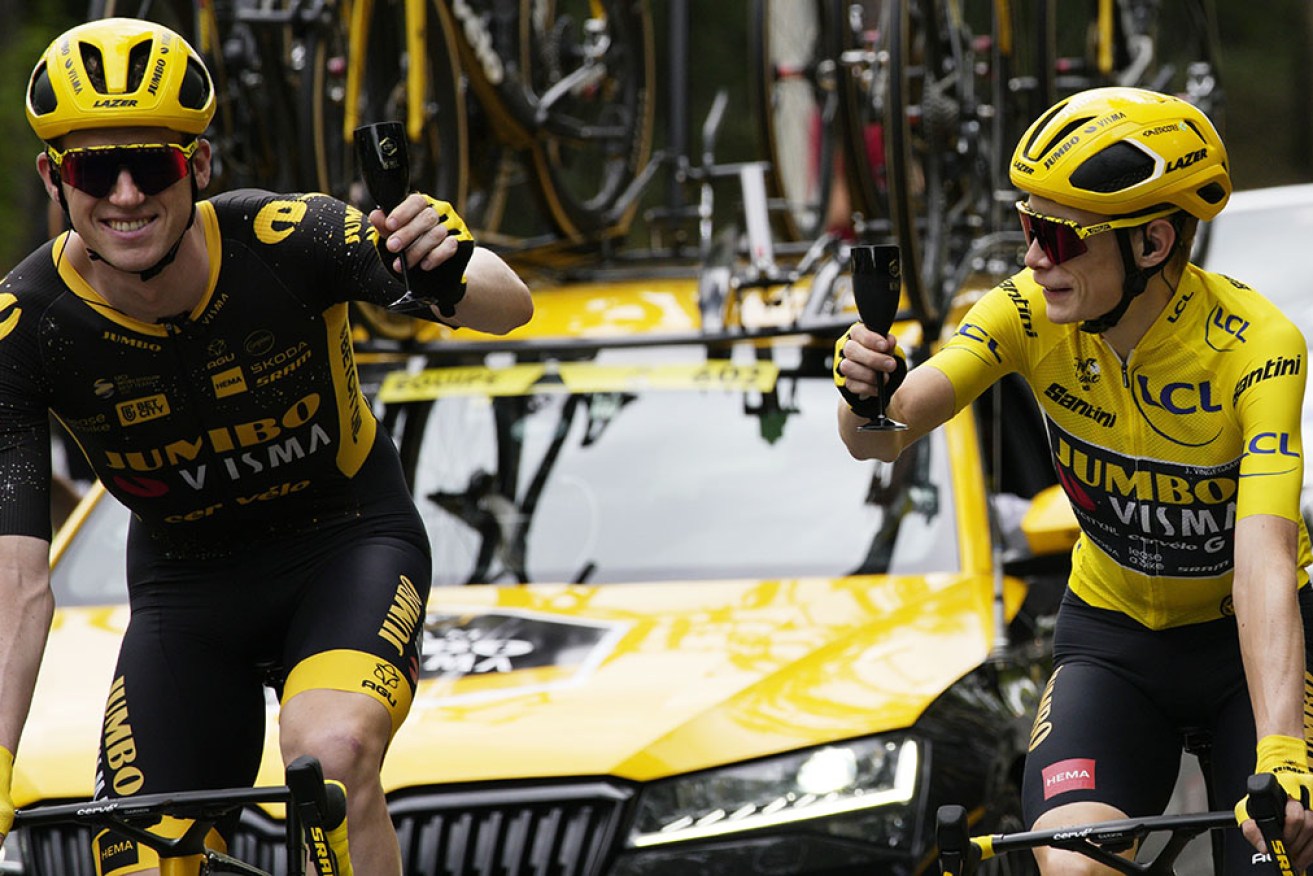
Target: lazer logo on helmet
115,103
1188,159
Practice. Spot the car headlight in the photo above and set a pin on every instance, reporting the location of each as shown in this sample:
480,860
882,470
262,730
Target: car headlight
833,780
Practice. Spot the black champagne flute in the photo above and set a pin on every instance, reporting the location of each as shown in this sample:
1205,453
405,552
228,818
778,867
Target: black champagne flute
877,285
384,163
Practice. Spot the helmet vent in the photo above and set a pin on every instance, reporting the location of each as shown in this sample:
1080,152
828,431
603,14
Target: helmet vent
1213,193
1041,124
138,58
42,96
1114,169
94,64
1064,133
195,90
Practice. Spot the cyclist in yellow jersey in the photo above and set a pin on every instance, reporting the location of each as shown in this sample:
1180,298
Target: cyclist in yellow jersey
1172,401
200,353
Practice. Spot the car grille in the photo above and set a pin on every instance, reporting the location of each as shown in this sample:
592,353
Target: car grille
556,830
559,830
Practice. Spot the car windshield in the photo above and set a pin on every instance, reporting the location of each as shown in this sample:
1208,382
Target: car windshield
633,466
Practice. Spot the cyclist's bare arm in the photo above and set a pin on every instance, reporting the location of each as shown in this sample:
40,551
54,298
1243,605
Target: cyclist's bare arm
26,608
1272,645
496,299
924,401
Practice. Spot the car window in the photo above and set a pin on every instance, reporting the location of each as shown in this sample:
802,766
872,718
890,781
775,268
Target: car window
682,481
662,477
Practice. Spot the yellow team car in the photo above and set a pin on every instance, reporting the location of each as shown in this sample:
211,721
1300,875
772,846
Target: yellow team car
674,628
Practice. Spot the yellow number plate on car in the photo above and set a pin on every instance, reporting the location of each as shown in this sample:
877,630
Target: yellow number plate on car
582,377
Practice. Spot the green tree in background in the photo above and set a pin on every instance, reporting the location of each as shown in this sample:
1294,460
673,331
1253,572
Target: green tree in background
29,28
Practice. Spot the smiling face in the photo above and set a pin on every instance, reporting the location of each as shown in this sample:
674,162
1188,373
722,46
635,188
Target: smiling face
129,228
1086,286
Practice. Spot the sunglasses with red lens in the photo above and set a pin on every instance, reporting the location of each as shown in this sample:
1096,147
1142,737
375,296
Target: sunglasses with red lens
95,169
1063,239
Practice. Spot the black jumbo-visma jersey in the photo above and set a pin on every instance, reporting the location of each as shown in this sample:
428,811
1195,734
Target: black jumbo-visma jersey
242,418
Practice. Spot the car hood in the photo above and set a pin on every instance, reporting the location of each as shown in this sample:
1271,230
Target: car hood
635,681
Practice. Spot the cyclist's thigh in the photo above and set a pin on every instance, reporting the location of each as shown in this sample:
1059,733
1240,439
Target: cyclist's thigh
359,624
181,714
1098,738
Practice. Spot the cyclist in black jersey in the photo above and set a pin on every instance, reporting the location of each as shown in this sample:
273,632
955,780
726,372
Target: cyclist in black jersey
1171,397
199,352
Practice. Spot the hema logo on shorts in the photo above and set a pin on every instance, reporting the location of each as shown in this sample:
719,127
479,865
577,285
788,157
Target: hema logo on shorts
1074,774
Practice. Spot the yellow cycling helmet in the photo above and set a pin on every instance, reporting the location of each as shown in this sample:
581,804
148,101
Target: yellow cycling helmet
119,72
1123,151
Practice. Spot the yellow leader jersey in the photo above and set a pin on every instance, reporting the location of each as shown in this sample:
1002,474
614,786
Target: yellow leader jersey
1160,454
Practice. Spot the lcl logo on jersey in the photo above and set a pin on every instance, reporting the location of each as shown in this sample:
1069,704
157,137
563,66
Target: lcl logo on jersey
1223,329
9,313
1178,399
1271,443
978,335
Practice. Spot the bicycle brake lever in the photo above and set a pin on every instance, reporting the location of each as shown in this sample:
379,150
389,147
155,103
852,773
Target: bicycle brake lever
384,163
1267,806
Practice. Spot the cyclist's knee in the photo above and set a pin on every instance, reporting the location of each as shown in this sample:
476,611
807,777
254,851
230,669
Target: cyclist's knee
346,732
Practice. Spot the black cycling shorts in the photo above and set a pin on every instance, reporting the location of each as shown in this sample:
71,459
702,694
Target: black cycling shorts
206,641
1113,718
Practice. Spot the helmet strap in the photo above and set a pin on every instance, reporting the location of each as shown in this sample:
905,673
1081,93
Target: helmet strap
1135,282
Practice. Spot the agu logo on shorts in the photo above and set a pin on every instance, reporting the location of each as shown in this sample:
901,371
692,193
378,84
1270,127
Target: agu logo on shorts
1074,774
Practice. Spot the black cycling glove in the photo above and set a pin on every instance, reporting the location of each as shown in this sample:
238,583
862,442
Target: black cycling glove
444,286
868,407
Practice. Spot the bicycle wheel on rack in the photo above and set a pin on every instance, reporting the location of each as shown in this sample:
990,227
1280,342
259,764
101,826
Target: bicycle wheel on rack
256,83
795,59
438,144
937,168
438,148
582,83
1169,46
863,84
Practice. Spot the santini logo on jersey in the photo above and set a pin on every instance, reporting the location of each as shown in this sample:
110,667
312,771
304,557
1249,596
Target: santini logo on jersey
1279,367
1064,398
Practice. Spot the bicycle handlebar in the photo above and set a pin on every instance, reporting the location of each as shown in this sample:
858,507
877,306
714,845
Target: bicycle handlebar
314,809
960,854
